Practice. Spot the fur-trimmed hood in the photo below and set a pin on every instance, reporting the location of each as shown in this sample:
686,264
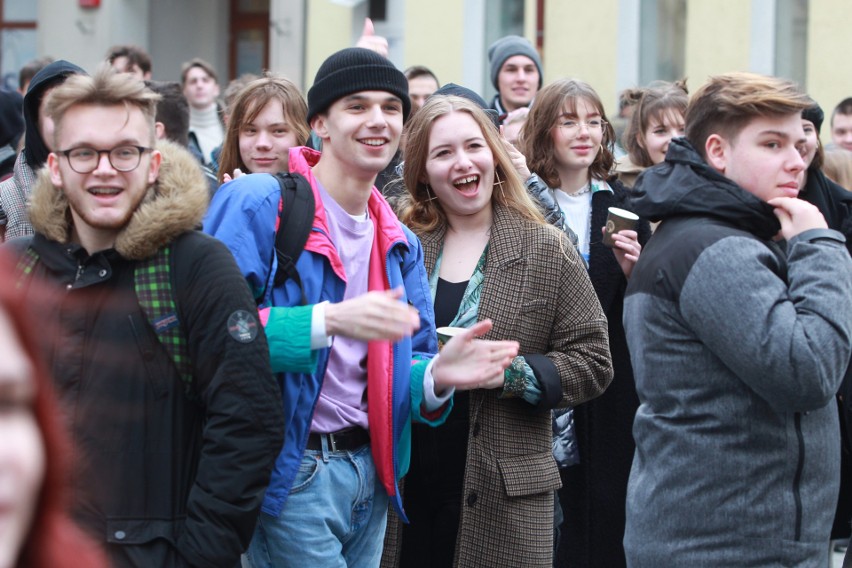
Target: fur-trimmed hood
174,204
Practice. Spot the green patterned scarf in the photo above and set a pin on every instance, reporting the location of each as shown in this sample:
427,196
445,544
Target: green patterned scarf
469,307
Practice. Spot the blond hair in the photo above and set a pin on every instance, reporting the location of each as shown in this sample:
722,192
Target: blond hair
104,88
418,210
728,103
838,167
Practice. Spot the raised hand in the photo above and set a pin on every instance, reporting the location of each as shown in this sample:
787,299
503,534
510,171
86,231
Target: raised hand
796,216
626,249
371,316
369,39
468,363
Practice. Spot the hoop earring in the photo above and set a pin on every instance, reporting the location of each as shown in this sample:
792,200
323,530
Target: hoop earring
499,183
430,197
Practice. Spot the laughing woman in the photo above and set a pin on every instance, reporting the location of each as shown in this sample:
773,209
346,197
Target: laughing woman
480,488
569,143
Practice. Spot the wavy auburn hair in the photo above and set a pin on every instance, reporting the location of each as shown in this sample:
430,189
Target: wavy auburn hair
418,210
53,539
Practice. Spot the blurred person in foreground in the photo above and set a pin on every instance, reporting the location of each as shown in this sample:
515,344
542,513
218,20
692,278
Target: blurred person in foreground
35,455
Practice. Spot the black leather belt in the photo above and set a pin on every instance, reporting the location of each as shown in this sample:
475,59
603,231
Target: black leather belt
344,440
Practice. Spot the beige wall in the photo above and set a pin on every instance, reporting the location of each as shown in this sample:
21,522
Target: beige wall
159,26
329,30
718,36
829,79
434,36
580,42
83,36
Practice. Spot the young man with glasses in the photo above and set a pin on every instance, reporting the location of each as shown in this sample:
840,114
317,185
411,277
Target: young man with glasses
174,409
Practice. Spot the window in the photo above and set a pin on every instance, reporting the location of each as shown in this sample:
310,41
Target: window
378,10
502,18
662,41
17,38
249,37
791,40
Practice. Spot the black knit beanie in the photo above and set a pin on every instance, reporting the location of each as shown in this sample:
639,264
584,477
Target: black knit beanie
464,92
814,114
353,70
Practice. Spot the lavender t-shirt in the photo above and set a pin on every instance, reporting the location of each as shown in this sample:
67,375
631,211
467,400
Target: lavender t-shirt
343,399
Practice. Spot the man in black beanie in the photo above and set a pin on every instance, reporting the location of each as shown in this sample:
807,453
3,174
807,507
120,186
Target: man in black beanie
348,405
38,133
515,73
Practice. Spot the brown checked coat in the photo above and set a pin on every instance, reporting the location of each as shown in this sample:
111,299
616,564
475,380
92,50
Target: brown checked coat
536,291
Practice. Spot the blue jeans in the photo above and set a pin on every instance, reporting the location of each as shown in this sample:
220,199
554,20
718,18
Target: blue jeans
335,516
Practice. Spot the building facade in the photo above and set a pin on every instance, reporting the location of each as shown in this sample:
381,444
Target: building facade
612,44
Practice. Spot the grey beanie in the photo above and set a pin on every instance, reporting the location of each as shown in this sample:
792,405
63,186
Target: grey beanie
507,47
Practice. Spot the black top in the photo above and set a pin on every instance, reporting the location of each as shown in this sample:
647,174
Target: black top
448,298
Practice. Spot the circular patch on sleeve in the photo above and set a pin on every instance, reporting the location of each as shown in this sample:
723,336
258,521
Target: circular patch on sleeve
242,326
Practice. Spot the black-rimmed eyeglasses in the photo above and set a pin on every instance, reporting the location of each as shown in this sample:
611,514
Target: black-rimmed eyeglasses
84,160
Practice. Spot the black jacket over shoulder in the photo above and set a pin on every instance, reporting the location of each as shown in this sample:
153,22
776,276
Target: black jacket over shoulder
164,479
594,491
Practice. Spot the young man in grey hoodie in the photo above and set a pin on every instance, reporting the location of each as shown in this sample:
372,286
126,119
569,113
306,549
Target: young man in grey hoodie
739,321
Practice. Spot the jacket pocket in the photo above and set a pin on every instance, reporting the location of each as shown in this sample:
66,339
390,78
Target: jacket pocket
149,349
529,474
535,305
140,531
144,542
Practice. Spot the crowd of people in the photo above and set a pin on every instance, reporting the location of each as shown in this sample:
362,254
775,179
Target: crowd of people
446,355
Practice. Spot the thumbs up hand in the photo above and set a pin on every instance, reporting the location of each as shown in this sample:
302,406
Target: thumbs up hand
369,39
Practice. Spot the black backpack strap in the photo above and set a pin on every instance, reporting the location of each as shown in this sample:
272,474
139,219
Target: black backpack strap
295,219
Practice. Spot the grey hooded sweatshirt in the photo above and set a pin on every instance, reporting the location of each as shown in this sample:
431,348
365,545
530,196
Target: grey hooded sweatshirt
738,346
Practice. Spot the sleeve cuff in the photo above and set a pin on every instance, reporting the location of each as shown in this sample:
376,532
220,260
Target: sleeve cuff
431,400
319,338
817,234
548,379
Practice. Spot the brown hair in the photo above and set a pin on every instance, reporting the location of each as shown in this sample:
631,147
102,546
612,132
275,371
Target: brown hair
536,140
728,103
201,64
420,71
419,210
843,107
249,103
652,103
136,56
104,88
838,167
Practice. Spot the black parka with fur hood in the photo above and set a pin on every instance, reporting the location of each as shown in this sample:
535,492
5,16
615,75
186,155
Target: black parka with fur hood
164,480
